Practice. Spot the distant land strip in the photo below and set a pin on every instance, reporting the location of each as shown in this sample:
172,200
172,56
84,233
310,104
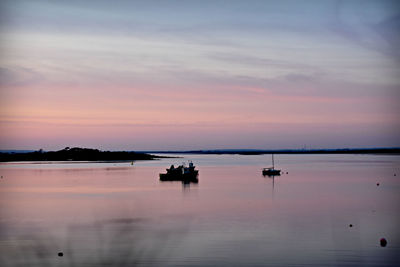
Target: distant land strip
89,154
75,154
393,151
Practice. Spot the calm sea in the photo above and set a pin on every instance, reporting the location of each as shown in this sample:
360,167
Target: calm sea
324,210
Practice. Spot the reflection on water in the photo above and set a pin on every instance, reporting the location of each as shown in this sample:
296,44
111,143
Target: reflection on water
185,182
104,215
114,242
272,177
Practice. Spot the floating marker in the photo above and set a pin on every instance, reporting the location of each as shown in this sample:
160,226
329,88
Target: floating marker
383,242
60,254
351,225
377,184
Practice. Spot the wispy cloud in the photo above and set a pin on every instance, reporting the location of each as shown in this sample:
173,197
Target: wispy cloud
180,67
19,76
361,24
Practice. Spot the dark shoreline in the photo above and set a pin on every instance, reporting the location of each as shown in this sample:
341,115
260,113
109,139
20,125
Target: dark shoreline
380,151
94,155
77,154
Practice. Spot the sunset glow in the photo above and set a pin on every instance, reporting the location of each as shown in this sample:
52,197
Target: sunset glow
165,75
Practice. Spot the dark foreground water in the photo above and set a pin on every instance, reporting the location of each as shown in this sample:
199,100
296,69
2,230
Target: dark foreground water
118,214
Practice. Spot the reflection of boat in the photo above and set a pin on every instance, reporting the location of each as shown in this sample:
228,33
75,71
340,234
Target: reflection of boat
271,171
181,173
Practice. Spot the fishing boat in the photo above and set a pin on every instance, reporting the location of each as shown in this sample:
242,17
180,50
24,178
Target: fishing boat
181,173
271,171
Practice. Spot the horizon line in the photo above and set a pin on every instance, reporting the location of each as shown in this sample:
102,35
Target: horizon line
231,150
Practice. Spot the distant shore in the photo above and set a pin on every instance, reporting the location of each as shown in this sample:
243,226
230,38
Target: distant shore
76,154
388,151
95,155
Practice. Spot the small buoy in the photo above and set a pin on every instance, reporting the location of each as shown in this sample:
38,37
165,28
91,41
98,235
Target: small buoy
287,173
383,242
377,184
60,254
351,225
394,175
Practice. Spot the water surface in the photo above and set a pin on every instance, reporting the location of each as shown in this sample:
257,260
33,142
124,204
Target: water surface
118,214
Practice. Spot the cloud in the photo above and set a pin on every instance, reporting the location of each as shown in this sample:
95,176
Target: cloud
258,61
389,30
368,27
18,76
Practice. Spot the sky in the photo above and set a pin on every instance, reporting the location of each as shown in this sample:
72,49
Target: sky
181,75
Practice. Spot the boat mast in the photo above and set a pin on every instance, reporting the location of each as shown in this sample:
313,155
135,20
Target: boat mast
273,165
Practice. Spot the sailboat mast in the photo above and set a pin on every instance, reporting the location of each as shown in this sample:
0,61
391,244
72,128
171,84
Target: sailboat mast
273,165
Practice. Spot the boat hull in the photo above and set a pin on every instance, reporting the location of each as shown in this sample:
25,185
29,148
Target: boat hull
271,172
185,177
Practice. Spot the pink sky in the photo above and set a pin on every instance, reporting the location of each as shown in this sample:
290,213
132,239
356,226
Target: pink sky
269,76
